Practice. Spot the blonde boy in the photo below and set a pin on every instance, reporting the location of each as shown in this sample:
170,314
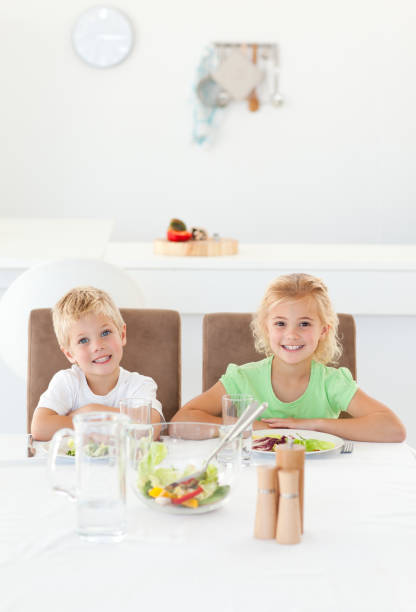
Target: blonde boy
91,333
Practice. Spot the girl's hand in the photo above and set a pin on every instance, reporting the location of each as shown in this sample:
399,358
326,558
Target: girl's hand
258,425
291,423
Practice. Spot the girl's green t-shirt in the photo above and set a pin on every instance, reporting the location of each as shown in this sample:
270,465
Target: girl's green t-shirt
329,391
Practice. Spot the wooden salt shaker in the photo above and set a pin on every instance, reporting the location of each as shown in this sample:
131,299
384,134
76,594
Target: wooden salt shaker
292,457
288,520
265,523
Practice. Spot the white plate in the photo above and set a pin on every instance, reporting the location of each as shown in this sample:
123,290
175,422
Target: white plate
296,433
63,449
61,452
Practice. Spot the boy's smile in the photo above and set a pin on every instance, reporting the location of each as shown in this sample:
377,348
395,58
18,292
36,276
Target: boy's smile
96,346
294,329
103,359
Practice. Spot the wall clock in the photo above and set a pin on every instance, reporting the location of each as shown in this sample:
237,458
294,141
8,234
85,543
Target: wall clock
102,36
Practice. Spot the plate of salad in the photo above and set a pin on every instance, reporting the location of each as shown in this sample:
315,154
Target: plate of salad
265,441
67,449
155,475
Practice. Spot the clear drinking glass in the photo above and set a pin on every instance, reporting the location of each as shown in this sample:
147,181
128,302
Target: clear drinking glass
233,407
138,409
99,488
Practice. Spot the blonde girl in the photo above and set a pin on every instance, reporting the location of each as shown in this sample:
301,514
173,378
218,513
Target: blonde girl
296,328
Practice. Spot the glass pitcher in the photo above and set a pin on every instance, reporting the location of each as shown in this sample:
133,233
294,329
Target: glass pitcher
99,441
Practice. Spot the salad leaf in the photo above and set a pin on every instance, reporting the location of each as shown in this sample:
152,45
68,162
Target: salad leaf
93,449
163,476
209,482
217,495
311,444
157,452
71,447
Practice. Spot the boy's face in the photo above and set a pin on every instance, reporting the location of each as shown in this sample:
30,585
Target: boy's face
294,329
96,345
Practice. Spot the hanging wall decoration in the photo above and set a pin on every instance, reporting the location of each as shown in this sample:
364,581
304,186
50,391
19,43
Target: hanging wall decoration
234,72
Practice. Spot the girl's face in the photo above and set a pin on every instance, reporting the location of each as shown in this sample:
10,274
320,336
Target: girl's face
294,329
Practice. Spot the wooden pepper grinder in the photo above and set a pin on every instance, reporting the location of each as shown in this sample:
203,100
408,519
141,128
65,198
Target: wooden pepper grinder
266,510
288,520
292,457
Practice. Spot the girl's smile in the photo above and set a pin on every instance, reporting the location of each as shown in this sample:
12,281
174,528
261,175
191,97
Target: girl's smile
292,348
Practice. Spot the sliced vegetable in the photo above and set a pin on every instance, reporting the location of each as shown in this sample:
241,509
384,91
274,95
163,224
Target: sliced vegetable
159,492
191,503
184,498
177,231
178,236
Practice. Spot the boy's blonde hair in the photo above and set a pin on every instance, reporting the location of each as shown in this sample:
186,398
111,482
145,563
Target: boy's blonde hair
79,302
295,287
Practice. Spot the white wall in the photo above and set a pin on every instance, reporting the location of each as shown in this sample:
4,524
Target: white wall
81,141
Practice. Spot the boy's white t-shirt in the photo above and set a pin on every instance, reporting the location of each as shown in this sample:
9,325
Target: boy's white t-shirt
69,390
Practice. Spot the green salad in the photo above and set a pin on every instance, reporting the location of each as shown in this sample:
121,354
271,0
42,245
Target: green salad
92,449
270,442
155,482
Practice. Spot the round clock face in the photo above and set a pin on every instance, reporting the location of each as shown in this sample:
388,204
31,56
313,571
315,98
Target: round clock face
102,37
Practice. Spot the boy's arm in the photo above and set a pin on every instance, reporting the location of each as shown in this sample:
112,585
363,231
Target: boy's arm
46,421
154,418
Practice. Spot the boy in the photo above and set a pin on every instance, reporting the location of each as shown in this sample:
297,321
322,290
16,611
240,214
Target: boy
91,333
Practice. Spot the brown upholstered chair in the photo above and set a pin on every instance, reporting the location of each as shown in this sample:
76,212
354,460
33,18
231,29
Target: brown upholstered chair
227,338
153,348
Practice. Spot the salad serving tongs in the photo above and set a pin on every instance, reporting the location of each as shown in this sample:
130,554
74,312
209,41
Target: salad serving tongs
250,413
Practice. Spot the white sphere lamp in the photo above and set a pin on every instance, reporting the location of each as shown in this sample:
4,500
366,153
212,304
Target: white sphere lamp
42,286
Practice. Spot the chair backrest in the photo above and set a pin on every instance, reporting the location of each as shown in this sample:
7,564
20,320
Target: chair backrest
153,348
227,338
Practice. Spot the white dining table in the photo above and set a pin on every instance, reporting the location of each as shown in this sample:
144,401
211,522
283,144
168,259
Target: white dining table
356,553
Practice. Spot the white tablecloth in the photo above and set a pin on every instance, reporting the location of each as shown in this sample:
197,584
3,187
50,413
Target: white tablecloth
357,552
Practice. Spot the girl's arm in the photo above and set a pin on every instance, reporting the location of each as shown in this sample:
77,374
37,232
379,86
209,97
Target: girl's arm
372,422
206,408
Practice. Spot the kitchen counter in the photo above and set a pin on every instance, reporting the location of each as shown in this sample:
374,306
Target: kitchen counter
362,278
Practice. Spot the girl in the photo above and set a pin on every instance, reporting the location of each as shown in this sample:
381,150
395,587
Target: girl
296,327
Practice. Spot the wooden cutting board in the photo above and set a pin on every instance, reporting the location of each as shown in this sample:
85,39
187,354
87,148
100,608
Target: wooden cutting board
196,248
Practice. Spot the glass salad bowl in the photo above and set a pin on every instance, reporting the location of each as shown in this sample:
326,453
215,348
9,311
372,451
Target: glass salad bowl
175,451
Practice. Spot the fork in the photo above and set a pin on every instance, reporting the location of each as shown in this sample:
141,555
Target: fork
31,450
348,447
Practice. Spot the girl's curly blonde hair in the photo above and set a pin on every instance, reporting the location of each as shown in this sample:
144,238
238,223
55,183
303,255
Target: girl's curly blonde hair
79,302
295,287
